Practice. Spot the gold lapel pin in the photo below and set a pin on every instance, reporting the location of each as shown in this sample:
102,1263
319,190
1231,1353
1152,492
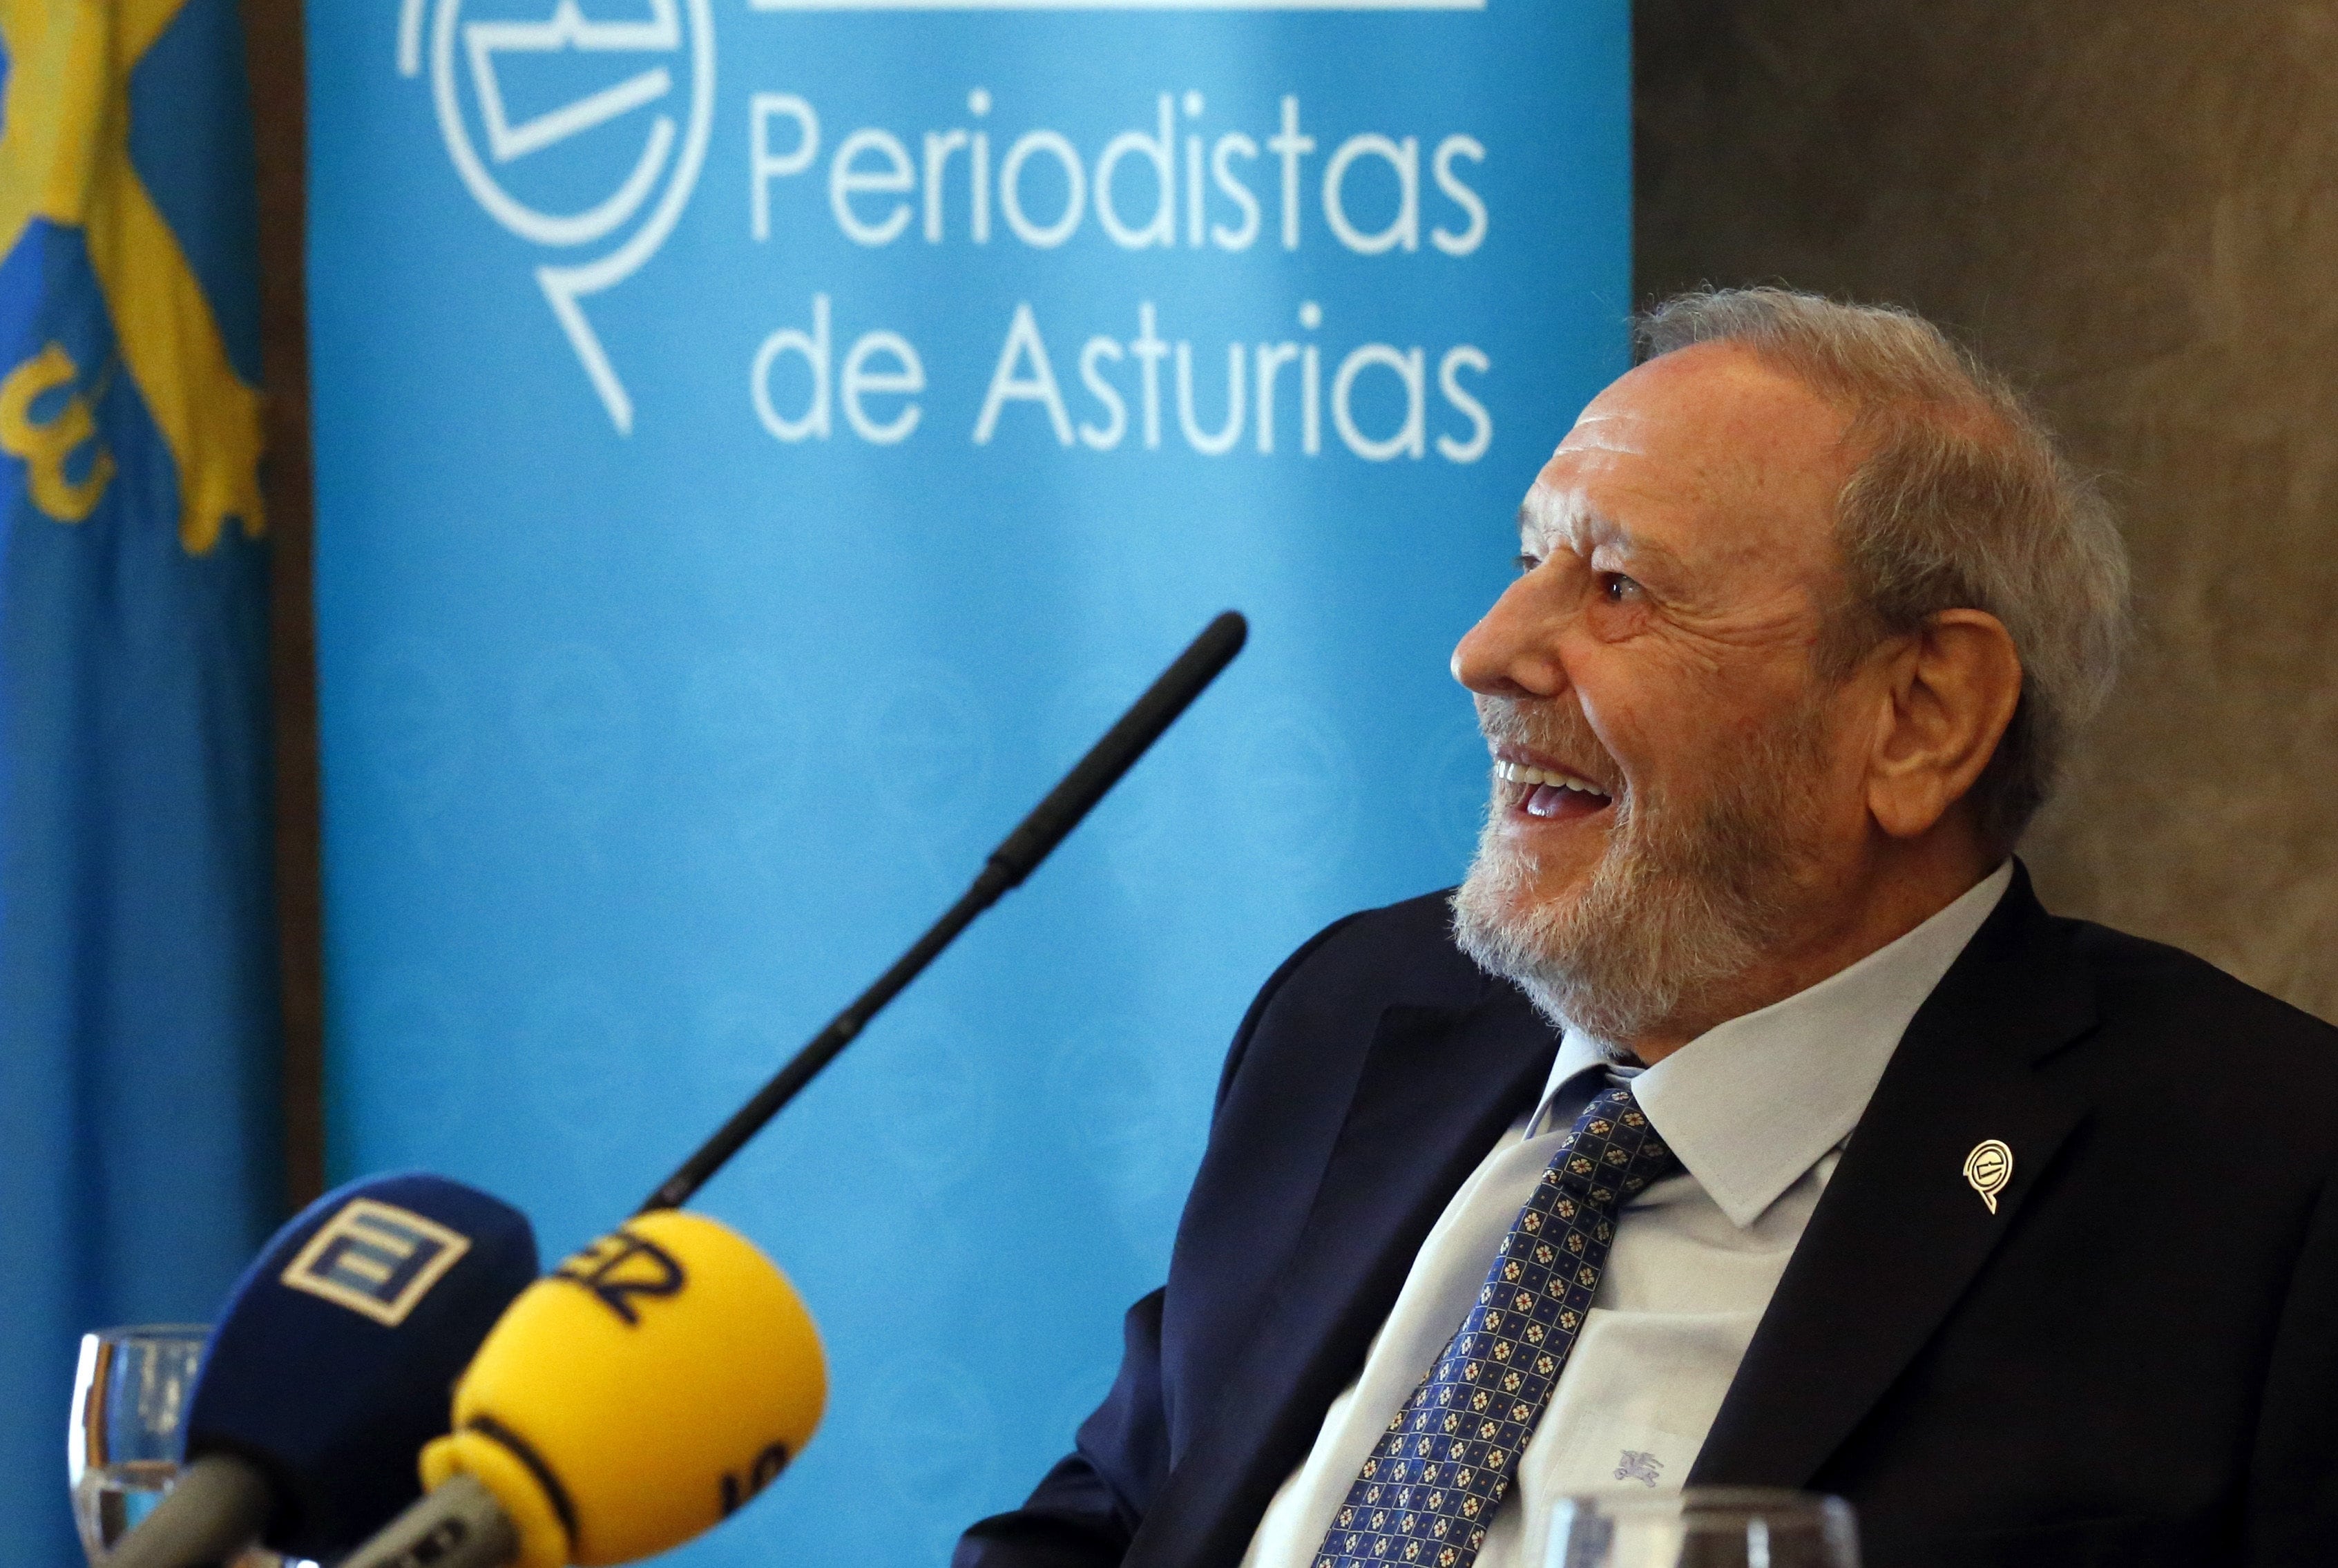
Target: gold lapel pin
1989,1167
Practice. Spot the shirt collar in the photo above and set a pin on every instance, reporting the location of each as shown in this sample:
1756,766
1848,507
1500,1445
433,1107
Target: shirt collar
1578,1054
1753,1103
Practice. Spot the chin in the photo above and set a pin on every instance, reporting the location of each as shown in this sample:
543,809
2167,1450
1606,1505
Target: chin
1515,880
1614,948
1510,905
1542,903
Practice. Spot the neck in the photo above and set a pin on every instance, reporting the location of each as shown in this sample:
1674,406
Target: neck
1846,913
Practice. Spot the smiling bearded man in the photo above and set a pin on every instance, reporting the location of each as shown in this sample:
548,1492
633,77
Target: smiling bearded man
1682,895
1743,1119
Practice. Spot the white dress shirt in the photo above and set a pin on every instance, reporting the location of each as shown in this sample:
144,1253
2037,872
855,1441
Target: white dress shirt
1758,1109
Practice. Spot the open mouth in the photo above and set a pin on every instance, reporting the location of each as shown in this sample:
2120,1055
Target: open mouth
1550,794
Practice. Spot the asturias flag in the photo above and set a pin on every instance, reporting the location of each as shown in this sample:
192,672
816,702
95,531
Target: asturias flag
139,1147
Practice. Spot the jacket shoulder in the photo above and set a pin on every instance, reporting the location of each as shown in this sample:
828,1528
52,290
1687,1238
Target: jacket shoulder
2178,1041
2152,985
1398,952
1326,999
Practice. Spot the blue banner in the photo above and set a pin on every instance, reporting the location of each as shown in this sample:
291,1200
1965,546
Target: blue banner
139,1120
759,446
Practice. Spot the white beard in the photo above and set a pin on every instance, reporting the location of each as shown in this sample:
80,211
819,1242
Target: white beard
1687,897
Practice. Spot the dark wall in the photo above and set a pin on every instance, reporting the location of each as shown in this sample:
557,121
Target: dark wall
2132,205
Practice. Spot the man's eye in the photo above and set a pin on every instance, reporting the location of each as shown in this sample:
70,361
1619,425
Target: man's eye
1616,589
1525,562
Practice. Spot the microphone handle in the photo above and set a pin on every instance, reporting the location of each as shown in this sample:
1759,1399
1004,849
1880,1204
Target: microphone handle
218,1506
1017,856
458,1524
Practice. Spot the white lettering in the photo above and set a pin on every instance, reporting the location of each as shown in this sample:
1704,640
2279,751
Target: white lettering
908,376
1310,383
1193,175
1448,381
1272,357
978,101
1310,407
940,145
763,167
1410,367
1290,147
1010,193
1107,437
1234,145
1404,229
1038,386
1161,229
1149,348
1463,197
846,180
1218,443
813,347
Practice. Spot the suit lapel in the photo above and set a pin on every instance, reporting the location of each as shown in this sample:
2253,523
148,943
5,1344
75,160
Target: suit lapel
1900,1231
1437,1088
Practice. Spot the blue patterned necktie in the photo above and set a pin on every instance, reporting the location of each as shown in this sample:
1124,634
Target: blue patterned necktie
1443,1466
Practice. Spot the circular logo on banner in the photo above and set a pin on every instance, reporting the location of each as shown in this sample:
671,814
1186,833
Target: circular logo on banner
534,107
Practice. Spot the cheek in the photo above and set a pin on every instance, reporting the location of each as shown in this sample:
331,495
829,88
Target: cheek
1608,622
1655,718
1845,767
1681,728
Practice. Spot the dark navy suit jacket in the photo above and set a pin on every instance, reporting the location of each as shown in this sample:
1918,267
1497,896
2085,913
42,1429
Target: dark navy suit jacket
2133,1361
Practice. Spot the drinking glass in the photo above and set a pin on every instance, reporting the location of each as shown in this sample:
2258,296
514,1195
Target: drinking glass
122,1450
125,1442
1703,1528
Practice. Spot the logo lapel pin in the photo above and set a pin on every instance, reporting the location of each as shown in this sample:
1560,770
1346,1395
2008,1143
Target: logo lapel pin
1989,1167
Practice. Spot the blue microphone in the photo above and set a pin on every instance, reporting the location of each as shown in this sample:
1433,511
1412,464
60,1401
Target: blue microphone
331,1366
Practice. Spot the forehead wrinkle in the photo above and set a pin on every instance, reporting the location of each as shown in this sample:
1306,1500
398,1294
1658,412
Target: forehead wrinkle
1602,432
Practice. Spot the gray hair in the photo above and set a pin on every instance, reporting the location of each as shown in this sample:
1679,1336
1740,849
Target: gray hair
1962,500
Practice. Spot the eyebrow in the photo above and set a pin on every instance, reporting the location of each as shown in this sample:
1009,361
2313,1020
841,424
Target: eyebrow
1544,513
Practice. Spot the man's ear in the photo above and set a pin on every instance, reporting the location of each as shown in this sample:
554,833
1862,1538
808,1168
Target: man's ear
1952,686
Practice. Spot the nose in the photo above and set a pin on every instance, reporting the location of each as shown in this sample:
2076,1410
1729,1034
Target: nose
1513,650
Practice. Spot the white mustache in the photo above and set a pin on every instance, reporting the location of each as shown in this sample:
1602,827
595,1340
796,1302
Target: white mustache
1554,729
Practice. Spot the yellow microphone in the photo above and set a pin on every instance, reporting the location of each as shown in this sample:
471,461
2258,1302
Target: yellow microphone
632,1398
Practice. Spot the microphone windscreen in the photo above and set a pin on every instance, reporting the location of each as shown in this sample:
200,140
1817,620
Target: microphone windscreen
638,1395
332,1361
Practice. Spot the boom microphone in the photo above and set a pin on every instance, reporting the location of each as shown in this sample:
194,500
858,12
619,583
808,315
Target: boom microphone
632,1398
667,1373
1016,857
329,1366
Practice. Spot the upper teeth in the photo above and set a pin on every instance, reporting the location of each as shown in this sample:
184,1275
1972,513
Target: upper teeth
1519,772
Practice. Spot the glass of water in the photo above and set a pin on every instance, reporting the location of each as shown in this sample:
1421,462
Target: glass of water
1704,1527
130,1399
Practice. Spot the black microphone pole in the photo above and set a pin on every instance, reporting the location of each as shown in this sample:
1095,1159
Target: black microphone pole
1016,858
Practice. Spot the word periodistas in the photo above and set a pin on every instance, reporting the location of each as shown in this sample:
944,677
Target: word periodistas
1176,183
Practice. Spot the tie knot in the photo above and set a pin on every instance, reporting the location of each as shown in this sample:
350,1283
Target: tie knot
1613,1152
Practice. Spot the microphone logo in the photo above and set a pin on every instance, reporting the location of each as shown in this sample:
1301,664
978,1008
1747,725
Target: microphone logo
581,136
376,1259
622,1265
765,1470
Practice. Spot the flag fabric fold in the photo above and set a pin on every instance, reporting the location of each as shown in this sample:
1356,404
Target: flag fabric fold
140,1142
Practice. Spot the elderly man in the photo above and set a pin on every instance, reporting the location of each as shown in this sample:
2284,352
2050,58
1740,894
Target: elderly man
1744,1118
